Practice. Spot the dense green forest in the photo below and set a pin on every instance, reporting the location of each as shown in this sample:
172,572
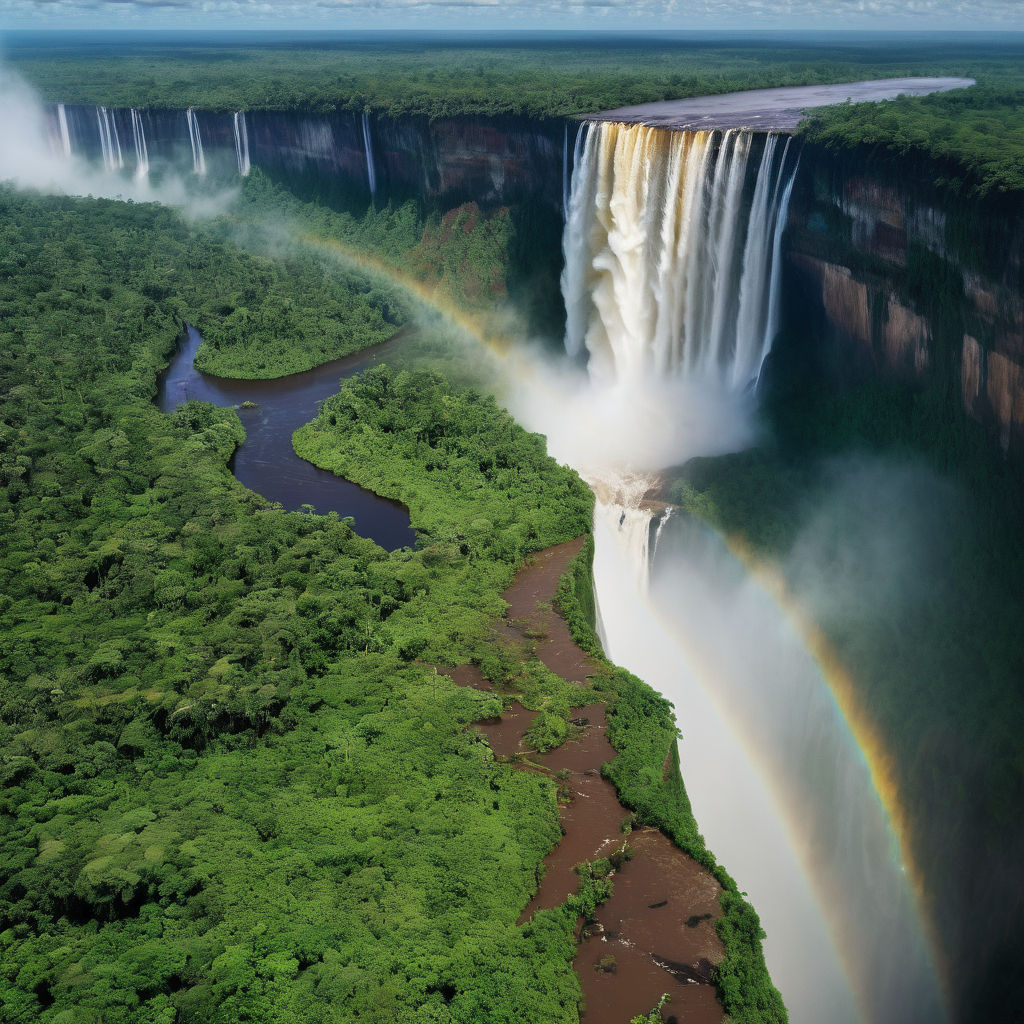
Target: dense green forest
972,140
260,316
233,787
444,79
211,735
461,257
290,313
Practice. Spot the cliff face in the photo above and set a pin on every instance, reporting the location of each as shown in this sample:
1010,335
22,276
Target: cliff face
895,280
883,275
493,160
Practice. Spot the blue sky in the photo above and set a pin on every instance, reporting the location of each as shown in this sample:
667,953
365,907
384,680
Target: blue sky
589,15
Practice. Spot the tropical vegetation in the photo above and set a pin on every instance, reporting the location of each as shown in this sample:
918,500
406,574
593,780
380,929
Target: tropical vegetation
234,786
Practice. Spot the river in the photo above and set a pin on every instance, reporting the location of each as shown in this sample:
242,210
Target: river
265,461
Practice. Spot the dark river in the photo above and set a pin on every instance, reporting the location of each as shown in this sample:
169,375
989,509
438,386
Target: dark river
266,462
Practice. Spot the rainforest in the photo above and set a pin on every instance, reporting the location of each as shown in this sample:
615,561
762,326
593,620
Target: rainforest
511,527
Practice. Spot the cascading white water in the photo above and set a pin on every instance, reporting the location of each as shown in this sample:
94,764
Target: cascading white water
198,159
658,531
65,133
672,272
668,268
758,316
141,149
110,143
371,173
241,143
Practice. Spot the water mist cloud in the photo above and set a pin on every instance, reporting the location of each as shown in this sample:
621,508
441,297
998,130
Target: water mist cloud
30,160
871,562
597,427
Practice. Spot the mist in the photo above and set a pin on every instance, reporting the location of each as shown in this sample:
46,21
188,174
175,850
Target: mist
605,429
866,542
30,159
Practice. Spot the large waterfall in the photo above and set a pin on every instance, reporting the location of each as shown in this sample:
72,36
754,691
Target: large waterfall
672,249
671,283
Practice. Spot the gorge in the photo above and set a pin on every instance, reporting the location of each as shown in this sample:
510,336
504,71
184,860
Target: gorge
686,254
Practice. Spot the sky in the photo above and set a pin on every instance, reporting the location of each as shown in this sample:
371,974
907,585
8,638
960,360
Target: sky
588,15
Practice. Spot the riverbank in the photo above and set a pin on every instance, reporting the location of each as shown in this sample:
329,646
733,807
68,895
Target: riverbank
656,933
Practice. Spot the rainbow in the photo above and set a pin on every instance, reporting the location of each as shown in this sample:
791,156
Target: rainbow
879,760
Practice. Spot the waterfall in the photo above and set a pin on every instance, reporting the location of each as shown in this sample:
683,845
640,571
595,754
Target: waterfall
665,517
109,141
621,512
65,133
241,143
141,150
371,174
671,281
198,159
672,250
565,173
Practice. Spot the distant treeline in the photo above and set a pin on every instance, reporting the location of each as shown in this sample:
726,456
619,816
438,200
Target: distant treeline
445,81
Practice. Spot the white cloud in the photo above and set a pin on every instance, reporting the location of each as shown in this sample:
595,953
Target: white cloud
624,14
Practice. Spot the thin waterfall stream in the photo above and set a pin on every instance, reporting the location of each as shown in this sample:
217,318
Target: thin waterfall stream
241,142
196,140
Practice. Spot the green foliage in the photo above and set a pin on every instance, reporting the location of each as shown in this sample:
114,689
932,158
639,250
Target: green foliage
974,137
574,600
291,314
549,730
653,1016
478,486
461,256
226,793
646,774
